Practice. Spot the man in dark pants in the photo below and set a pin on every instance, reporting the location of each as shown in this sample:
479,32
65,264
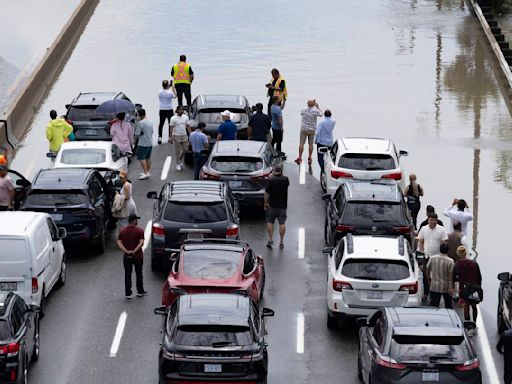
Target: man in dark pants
199,143
183,77
505,346
130,241
276,202
259,125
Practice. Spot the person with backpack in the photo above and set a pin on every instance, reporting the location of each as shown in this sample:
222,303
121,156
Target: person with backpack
412,193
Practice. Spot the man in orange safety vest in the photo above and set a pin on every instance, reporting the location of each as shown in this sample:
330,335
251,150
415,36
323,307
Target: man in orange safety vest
183,76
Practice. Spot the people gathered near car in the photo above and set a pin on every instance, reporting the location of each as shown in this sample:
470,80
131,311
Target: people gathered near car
165,97
439,271
227,129
309,116
122,134
259,125
324,136
6,190
276,89
199,143
57,131
276,115
178,134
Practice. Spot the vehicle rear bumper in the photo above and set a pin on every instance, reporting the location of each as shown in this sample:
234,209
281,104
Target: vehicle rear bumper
251,199
392,376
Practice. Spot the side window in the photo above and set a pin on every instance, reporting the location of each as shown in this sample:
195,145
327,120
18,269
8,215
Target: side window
93,194
256,318
97,186
162,197
339,199
248,262
378,332
18,315
339,253
334,152
116,152
40,240
171,320
53,229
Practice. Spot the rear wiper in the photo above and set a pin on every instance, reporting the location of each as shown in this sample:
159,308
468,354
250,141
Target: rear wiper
434,358
219,344
365,277
379,220
374,169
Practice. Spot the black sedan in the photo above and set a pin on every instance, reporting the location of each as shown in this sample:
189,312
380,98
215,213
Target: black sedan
504,302
415,345
213,337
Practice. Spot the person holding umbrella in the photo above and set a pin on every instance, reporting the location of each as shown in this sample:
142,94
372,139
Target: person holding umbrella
122,133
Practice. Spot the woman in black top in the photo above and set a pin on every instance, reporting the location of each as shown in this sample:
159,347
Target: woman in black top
413,192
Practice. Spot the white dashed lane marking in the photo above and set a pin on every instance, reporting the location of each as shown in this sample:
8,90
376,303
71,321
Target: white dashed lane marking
118,335
300,333
166,167
302,242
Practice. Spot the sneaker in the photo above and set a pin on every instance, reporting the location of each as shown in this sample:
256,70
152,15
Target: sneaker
270,243
159,139
298,160
178,167
149,174
140,294
281,246
127,296
144,176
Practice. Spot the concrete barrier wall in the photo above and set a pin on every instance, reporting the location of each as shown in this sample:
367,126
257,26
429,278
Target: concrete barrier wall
20,113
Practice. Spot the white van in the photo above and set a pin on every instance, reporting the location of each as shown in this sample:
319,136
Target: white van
32,258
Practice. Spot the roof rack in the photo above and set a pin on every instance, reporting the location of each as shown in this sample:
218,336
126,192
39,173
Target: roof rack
350,243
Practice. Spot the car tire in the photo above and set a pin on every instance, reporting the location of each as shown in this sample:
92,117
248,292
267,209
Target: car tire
323,181
101,243
37,343
332,322
501,322
62,273
262,285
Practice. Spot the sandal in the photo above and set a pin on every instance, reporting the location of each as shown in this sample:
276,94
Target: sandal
310,160
298,160
270,243
281,246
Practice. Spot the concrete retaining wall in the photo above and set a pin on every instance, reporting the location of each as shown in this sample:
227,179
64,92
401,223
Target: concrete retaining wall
20,113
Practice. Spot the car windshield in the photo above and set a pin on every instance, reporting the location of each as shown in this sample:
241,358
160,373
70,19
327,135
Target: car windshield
56,198
375,269
212,115
210,264
5,332
242,164
373,213
87,113
432,349
366,162
212,335
192,212
86,156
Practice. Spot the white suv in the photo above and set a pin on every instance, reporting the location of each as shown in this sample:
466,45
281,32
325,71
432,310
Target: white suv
361,158
365,273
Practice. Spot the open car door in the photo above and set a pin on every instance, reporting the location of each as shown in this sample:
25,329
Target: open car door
21,185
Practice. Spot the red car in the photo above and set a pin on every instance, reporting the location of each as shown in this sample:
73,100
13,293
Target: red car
219,266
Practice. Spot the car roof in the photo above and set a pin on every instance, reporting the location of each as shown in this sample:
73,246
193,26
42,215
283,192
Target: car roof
365,145
239,147
196,191
221,101
98,144
367,246
214,308
61,178
94,98
372,190
18,222
425,321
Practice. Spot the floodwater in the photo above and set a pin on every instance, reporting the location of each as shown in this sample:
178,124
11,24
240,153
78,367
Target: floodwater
419,72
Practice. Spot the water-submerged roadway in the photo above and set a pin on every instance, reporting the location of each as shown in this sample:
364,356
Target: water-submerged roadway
418,72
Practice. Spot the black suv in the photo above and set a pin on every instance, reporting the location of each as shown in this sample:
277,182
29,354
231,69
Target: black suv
190,210
79,200
19,337
366,208
504,302
416,345
213,336
89,125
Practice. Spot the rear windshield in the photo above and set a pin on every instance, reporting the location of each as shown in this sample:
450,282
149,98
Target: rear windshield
83,156
195,212
237,164
375,269
366,162
373,213
211,264
212,335
434,349
87,113
12,250
212,115
56,198
5,332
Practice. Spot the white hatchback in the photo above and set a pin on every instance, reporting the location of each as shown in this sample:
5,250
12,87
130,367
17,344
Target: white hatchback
100,155
363,159
365,273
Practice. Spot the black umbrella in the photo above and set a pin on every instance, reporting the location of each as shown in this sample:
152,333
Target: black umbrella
115,106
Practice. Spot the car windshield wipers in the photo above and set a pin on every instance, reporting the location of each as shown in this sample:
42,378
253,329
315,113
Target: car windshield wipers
219,344
365,277
374,169
435,358
378,220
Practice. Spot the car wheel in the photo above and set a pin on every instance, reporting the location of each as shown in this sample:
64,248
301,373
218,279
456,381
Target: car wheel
359,367
155,264
332,322
501,322
323,181
35,352
326,236
262,285
101,242
62,274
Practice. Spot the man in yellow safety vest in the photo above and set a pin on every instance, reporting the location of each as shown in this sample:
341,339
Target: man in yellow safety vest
183,76
276,88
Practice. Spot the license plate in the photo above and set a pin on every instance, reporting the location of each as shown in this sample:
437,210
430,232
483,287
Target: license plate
90,132
213,368
430,376
8,286
195,236
374,294
235,184
56,216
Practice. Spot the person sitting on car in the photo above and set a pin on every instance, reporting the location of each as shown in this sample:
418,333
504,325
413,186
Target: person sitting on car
122,133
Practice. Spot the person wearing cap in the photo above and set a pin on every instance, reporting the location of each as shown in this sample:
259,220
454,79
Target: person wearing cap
130,241
227,129
56,131
7,190
127,193
276,202
199,143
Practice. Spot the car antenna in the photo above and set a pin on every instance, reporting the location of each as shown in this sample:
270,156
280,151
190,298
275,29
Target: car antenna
238,147
427,324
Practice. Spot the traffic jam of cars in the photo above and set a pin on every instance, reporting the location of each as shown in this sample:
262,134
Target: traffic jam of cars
213,321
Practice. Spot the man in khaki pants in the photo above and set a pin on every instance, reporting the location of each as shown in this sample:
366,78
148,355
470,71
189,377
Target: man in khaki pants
178,130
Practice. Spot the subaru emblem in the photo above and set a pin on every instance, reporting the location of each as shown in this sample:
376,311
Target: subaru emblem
235,177
375,285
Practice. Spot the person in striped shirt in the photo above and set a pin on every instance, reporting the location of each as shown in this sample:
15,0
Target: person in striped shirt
440,275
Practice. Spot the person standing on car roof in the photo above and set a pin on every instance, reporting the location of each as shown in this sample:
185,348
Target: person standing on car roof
56,131
439,273
178,134
412,193
459,211
165,96
276,202
122,134
308,115
199,143
7,190
276,113
504,346
183,77
259,125
227,129
324,136
429,209
144,131
130,241
276,88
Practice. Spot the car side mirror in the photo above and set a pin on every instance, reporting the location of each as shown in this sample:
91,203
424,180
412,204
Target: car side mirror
152,195
35,308
327,250
403,153
361,322
62,233
51,155
323,150
267,312
238,196
22,183
504,276
160,310
67,106
326,197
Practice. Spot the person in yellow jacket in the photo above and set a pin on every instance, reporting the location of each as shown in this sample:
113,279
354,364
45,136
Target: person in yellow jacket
276,88
56,131
183,77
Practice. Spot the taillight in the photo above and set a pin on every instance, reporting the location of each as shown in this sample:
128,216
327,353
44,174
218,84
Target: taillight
393,176
402,230
337,174
339,286
9,349
468,365
263,177
69,122
412,288
158,229
208,176
344,228
90,212
388,362
35,285
232,231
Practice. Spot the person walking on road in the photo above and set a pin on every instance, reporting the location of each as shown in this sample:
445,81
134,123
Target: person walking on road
412,193
276,202
440,277
178,135
259,125
130,241
183,77
324,136
227,129
276,114
57,131
276,88
459,211
165,96
504,347
127,193
430,209
456,239
122,135
199,142
144,131
308,129
7,190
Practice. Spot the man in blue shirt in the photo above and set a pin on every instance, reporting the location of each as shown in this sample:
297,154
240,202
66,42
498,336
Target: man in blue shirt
277,123
324,137
227,130
199,142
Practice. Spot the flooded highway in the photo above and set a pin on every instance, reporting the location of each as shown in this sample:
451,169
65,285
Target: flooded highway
417,72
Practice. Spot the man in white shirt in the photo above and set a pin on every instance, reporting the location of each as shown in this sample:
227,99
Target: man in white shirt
309,116
459,211
178,135
165,96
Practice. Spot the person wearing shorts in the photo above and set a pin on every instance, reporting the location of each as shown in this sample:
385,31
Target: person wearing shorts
144,131
276,201
309,116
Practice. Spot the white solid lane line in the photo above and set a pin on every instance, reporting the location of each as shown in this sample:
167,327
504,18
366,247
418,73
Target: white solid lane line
302,174
166,167
300,333
488,361
147,235
302,242
119,334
